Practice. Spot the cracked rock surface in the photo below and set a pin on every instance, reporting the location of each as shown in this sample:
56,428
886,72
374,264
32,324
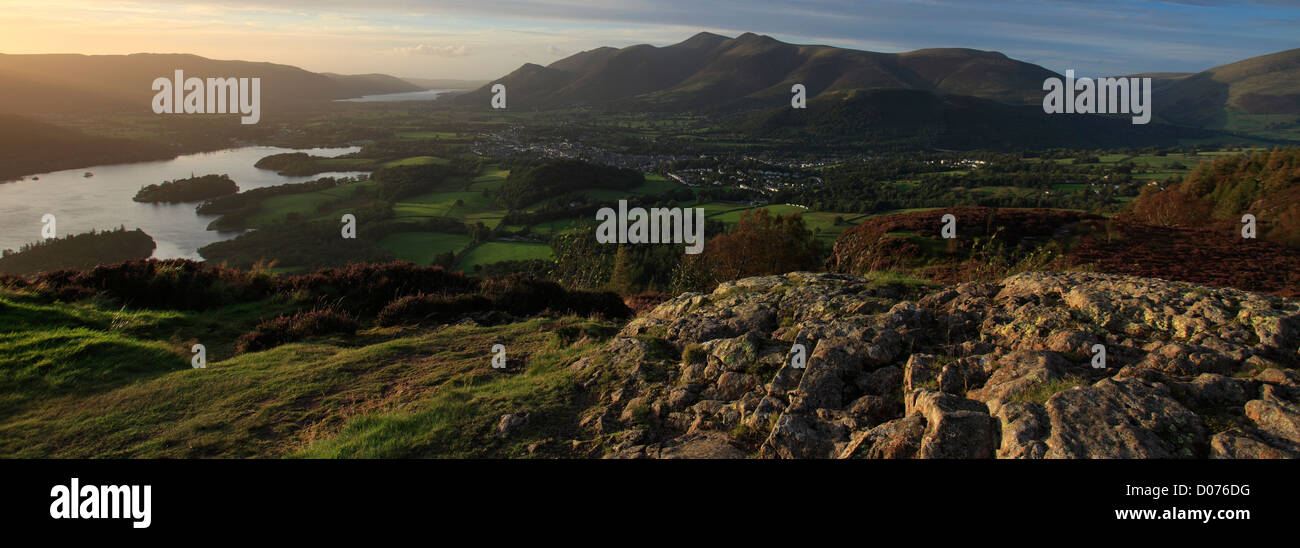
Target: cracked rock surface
977,370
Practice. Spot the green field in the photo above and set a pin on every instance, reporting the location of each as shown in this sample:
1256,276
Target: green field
277,208
656,184
491,179
554,226
425,135
422,247
717,208
495,252
821,223
473,207
418,161
733,216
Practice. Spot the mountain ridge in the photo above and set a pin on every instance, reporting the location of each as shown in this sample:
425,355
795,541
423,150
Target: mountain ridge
708,70
1263,85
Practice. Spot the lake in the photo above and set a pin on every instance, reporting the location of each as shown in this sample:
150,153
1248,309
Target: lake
424,95
103,201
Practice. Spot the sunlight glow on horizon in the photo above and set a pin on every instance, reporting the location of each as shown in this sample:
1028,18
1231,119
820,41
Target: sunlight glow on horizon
485,39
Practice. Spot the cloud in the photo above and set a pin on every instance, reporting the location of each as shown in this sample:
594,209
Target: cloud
441,51
551,49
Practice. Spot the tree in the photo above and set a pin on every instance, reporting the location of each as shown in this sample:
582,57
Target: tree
763,244
479,232
1169,208
580,261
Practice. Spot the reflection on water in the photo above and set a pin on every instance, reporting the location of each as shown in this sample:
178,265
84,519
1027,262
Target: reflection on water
103,201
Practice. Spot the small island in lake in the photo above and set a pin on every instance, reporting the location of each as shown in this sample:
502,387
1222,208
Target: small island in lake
193,189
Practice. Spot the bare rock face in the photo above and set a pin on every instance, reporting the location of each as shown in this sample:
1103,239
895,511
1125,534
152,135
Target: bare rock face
1025,427
978,370
1244,444
1275,416
1125,418
896,439
1020,371
955,427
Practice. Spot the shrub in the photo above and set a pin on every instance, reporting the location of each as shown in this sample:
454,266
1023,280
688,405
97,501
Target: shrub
12,281
432,308
567,335
694,353
285,329
168,284
522,295
525,295
366,288
762,244
644,302
586,303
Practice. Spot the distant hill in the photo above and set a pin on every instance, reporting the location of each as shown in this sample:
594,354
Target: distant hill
1168,76
713,71
446,83
71,83
357,85
29,146
1265,85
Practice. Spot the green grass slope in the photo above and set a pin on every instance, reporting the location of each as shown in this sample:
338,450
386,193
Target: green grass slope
90,381
1260,94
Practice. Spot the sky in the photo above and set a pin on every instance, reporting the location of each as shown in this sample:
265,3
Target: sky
484,39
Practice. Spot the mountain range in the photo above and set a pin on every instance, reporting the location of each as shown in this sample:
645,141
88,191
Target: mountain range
709,70
751,71
948,97
69,83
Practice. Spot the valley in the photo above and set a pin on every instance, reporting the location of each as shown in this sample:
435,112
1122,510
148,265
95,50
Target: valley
377,268
477,227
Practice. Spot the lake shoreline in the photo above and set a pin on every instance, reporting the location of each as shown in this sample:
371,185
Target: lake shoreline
104,201
75,163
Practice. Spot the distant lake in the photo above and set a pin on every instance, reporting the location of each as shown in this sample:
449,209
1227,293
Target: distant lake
103,201
426,95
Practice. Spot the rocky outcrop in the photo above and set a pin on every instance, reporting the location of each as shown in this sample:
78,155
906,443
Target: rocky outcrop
816,365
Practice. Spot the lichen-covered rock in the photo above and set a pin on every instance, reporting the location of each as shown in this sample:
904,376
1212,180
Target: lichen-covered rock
804,435
1275,416
920,371
1025,427
896,439
1124,419
1021,371
989,369
1244,444
955,427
